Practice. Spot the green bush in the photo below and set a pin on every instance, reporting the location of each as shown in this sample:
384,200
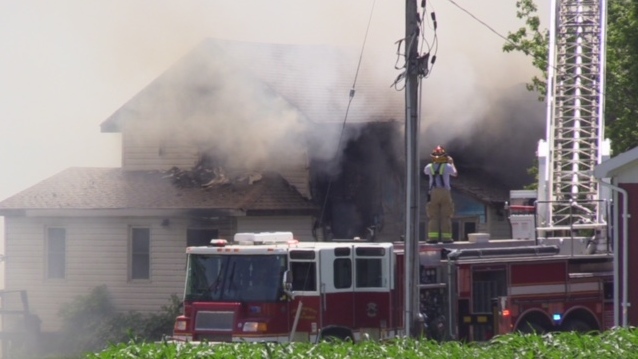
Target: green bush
91,323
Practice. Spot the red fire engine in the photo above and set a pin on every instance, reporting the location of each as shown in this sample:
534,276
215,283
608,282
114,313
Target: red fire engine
270,287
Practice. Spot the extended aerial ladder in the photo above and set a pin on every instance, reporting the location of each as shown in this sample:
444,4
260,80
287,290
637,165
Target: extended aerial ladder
570,200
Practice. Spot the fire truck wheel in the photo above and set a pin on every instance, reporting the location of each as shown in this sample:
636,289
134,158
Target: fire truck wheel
438,331
528,327
336,334
576,325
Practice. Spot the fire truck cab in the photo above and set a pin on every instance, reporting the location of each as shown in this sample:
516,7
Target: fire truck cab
269,287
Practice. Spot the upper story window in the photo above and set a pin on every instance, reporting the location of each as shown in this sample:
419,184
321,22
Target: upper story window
56,253
140,266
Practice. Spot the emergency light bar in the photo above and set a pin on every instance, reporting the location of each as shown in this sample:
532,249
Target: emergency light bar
218,242
263,238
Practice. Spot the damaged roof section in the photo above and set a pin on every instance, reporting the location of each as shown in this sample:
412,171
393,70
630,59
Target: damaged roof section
113,188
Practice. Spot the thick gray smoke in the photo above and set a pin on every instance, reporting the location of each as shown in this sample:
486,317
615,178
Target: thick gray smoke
260,104
253,102
500,139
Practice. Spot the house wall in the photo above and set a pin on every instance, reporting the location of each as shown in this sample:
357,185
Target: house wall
148,152
632,249
96,253
300,226
497,224
628,175
297,174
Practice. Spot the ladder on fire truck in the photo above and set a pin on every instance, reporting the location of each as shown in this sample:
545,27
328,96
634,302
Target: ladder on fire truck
571,203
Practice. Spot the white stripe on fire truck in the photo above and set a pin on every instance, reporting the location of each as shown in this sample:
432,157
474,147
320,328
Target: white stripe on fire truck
553,288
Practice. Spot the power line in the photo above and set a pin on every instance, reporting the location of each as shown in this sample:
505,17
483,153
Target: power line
526,52
482,22
351,97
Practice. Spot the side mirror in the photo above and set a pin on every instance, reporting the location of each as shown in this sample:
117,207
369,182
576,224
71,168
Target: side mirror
287,283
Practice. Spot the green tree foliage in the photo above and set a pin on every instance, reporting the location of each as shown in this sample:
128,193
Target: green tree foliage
532,41
621,98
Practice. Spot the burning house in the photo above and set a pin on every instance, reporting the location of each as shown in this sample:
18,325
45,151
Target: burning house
234,137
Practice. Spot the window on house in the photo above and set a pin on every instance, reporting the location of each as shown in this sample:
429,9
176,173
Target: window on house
56,253
463,227
140,253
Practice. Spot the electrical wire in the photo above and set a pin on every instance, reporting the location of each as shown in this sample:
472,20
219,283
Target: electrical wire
434,48
351,97
429,55
571,76
482,22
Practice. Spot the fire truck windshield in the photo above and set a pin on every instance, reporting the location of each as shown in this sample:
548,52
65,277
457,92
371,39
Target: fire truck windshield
235,278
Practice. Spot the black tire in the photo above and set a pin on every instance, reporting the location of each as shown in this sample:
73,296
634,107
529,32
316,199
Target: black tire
336,339
438,329
528,327
578,326
337,335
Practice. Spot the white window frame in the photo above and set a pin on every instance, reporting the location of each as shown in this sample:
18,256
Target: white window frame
132,254
49,253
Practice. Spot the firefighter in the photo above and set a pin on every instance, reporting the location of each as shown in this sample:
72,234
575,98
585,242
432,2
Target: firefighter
440,206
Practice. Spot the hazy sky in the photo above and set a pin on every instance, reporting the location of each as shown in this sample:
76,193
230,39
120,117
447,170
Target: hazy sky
69,64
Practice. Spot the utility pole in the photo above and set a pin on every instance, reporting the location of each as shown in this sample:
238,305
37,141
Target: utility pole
412,187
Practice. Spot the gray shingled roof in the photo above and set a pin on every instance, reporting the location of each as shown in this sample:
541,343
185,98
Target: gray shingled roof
314,79
113,188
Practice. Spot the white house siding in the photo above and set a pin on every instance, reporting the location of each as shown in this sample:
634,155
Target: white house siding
498,225
298,178
300,226
96,254
628,175
296,172
145,152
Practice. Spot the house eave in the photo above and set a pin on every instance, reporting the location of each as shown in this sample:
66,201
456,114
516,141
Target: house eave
119,212
283,212
614,165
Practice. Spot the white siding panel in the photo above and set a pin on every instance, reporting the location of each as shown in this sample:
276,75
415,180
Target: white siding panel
298,178
147,152
498,226
300,226
297,173
151,158
628,175
97,254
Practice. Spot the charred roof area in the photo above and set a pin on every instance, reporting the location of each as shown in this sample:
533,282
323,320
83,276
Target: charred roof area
208,172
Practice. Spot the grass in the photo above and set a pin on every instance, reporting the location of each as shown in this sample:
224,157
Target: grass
617,343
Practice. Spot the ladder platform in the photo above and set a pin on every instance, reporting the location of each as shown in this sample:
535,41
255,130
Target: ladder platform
572,227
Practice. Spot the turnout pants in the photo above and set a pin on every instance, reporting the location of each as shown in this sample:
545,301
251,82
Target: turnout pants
440,210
